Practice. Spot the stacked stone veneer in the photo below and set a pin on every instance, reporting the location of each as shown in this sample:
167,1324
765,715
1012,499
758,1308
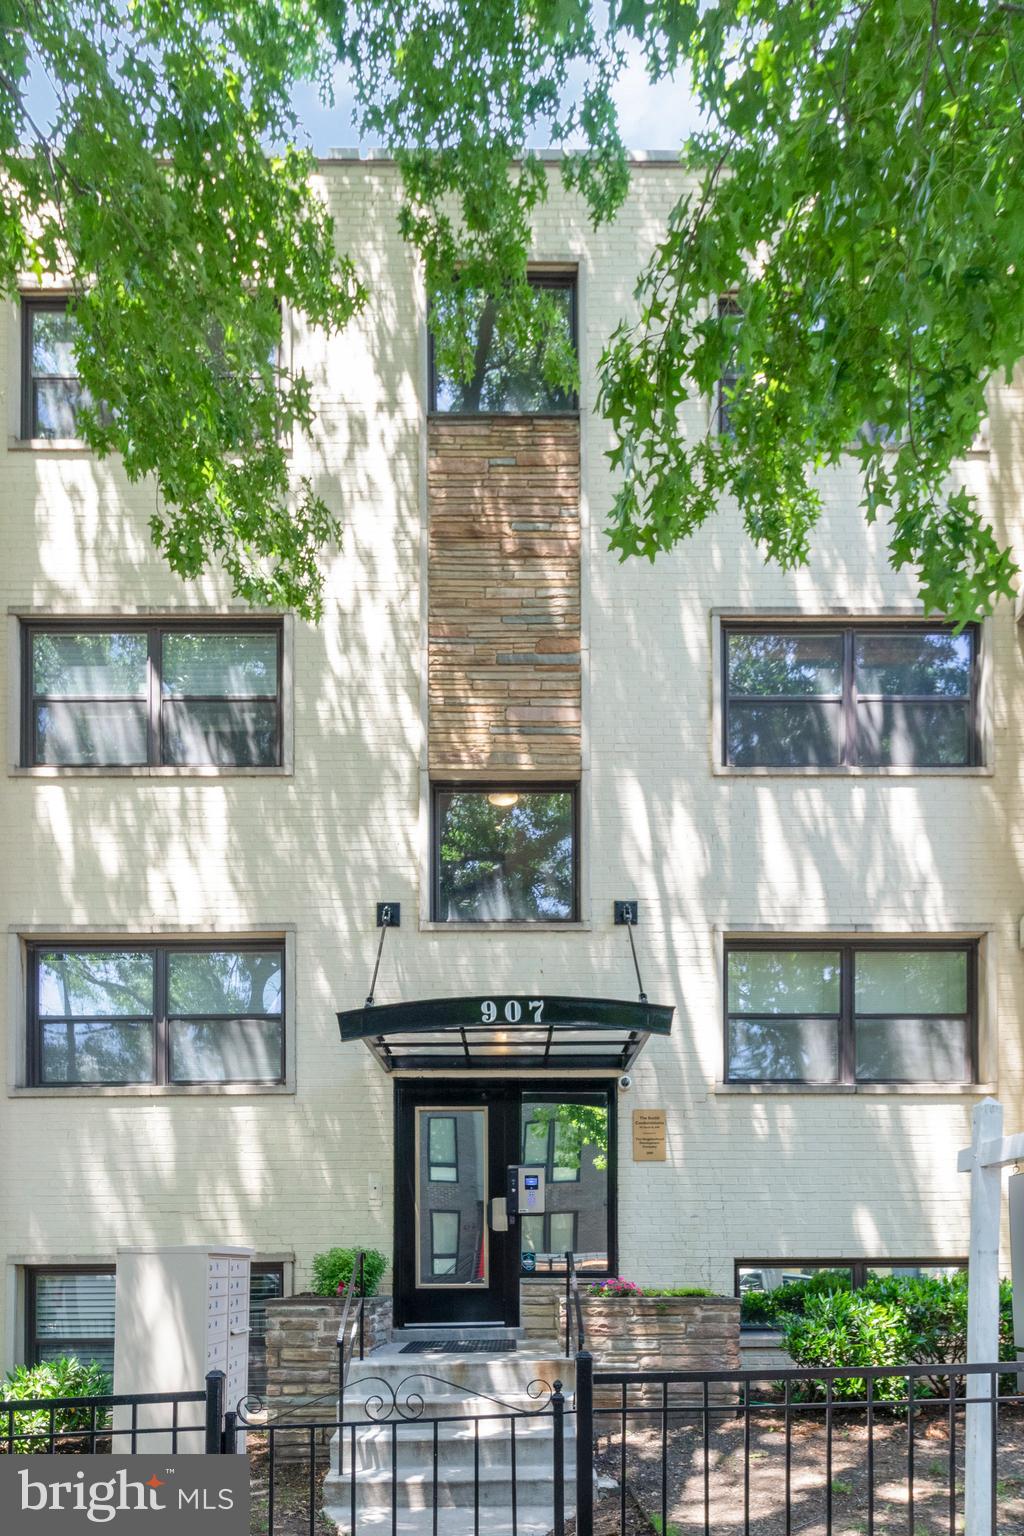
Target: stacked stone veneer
302,1363
504,596
662,1333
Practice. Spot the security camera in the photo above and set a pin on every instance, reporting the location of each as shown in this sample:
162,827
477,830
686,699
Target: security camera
625,1081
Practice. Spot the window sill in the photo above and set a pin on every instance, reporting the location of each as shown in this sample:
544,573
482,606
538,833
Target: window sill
849,1090
141,771
544,927
724,771
153,1091
47,445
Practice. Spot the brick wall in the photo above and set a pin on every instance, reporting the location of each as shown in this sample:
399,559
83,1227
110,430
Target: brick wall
504,595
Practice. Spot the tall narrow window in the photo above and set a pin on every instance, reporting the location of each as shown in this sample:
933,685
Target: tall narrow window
865,696
156,1014
872,1013
508,373
729,311
505,854
175,695
52,393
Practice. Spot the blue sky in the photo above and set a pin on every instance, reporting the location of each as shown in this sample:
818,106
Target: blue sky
650,116
654,116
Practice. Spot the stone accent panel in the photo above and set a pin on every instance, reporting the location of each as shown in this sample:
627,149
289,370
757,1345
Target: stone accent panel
662,1333
504,596
302,1363
542,1310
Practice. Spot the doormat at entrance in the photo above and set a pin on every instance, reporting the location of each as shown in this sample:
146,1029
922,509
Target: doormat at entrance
458,1346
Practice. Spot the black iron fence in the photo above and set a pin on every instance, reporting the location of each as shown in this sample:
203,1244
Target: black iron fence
117,1423
810,1452
370,1473
755,1453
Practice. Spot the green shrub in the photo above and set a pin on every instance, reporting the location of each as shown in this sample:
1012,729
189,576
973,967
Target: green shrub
66,1377
845,1328
891,1320
332,1271
768,1309
676,1290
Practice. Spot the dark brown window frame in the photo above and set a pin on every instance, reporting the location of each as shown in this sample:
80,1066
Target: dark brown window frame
849,697
443,1254
727,304
858,1267
439,787
33,1271
547,1248
848,948
433,1162
76,1346
30,307
154,630
563,278
549,1161
161,1017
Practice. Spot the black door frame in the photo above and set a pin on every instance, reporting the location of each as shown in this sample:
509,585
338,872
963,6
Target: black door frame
503,1098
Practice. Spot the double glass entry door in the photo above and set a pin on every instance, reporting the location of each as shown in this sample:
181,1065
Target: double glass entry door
453,1263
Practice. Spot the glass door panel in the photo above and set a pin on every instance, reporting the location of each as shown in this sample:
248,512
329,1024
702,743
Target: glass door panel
569,1139
452,1245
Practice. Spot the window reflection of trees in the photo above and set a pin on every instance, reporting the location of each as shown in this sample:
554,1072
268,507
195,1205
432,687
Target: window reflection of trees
506,862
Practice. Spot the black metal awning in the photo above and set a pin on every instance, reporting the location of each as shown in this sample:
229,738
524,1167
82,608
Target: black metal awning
525,1034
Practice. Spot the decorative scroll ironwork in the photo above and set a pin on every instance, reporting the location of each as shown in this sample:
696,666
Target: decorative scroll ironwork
379,1409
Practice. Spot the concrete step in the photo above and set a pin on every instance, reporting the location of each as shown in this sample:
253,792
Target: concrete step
531,1520
415,1491
457,1447
451,1379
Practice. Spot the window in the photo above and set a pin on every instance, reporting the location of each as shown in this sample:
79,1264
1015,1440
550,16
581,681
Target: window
505,854
728,308
866,696
71,1312
444,1242
763,1277
156,1014
549,1238
167,695
266,1283
443,1150
51,391
884,1013
508,377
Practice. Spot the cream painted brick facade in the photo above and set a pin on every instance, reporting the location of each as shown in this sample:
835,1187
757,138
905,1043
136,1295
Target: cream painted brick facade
309,852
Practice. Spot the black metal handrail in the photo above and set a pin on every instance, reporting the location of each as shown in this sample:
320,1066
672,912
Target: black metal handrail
573,1308
345,1359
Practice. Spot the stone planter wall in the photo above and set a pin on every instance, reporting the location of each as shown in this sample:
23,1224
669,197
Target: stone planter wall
302,1362
662,1333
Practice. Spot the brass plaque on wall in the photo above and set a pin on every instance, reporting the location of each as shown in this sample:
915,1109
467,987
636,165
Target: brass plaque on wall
649,1136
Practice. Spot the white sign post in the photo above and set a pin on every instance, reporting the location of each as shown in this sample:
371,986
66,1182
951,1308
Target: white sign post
989,1153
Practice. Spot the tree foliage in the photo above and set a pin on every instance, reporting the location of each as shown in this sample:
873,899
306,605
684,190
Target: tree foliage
153,193
856,190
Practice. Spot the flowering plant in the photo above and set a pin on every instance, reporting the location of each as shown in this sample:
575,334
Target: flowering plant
616,1287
